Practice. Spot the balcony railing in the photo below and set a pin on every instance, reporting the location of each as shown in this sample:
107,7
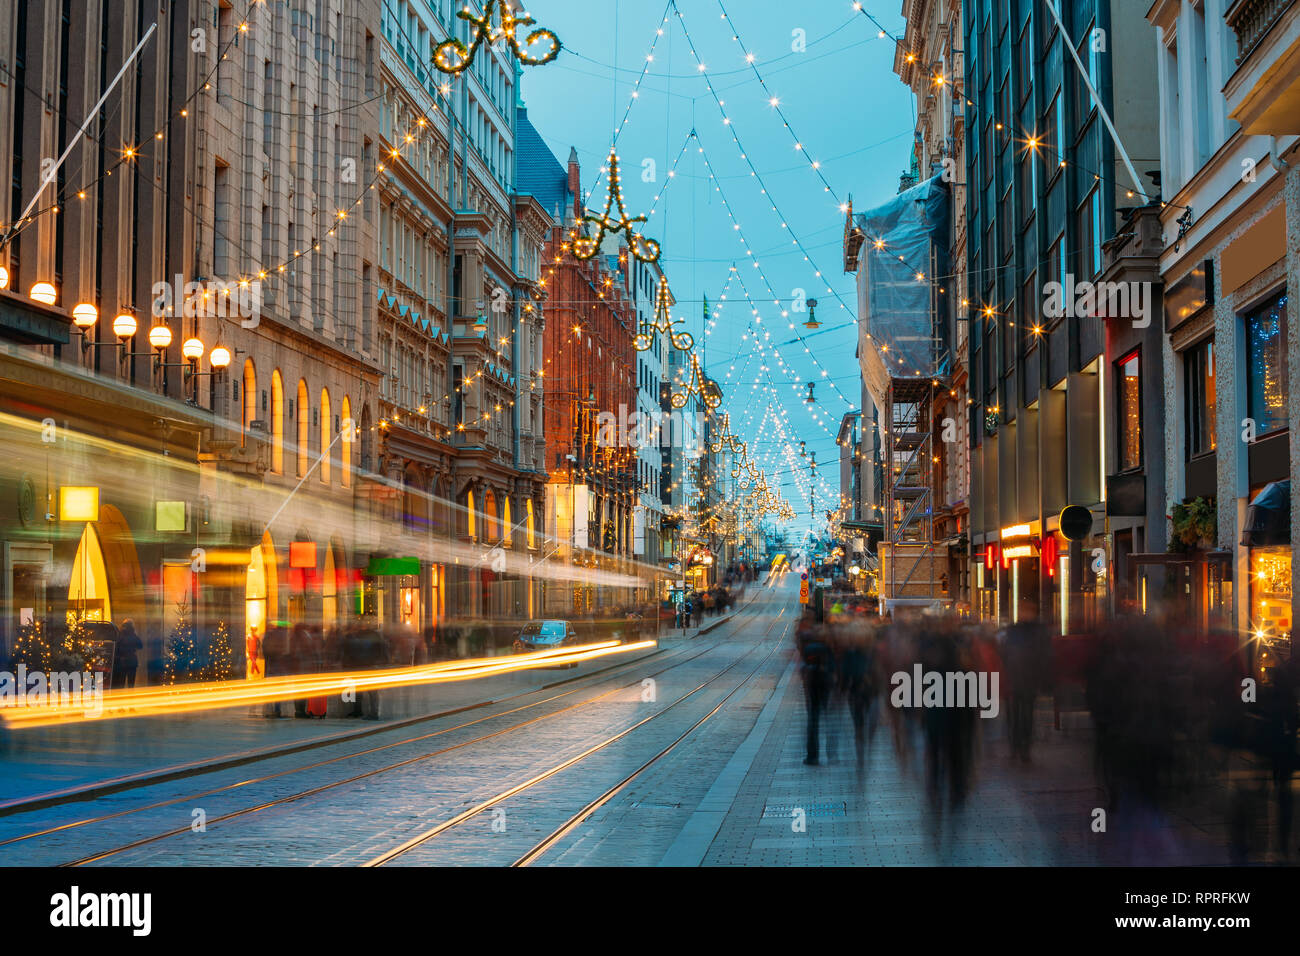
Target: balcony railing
1252,19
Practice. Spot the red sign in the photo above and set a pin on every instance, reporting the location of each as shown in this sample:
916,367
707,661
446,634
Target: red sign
990,556
302,554
1048,553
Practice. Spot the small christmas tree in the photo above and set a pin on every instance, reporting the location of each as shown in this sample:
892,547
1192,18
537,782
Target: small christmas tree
32,648
180,655
221,660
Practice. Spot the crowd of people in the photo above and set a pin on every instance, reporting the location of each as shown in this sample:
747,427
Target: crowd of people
849,661
1167,711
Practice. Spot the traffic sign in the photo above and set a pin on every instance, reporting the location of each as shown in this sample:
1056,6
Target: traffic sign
803,575
803,592
1075,522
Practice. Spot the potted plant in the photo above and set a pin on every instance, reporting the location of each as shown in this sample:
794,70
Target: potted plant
1195,525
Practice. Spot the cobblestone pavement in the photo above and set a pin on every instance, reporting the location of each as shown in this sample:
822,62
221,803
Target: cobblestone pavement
56,760
711,733
351,822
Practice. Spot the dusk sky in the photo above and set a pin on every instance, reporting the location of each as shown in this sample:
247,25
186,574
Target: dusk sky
852,115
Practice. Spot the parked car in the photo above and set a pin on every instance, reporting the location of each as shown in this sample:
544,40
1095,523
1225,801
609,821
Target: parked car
546,636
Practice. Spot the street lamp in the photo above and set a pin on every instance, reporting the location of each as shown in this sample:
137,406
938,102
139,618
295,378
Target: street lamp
45,293
812,322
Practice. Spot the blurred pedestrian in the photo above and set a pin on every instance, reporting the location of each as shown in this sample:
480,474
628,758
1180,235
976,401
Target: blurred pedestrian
275,651
816,666
126,658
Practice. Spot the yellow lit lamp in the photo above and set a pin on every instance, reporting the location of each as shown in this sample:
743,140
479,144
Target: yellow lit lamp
192,349
78,503
4,278
160,337
45,293
124,326
84,317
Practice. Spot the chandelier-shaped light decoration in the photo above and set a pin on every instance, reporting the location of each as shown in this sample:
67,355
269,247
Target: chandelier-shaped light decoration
682,341
697,385
727,439
586,246
454,57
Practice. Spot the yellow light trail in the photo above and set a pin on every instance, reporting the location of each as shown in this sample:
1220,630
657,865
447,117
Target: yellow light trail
185,698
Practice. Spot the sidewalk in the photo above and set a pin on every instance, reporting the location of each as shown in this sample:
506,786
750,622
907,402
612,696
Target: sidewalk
768,808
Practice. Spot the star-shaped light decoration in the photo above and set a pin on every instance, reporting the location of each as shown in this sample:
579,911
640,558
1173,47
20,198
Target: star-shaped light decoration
586,246
454,57
682,341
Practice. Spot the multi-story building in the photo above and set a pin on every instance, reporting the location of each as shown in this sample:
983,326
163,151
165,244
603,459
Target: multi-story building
458,285
590,375
643,280
1044,180
1228,260
214,251
929,60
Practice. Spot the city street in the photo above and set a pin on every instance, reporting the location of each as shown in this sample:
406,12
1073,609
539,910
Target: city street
690,756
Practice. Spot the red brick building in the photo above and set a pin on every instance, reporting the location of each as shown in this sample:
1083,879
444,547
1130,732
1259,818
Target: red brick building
590,386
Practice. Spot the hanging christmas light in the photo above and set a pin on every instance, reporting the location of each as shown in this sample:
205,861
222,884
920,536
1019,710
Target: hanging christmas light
586,246
454,57
682,341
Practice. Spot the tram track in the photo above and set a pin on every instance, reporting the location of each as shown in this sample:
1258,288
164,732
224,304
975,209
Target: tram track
423,839
677,659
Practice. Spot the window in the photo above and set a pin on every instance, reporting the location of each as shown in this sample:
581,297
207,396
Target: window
250,401
277,423
325,440
1198,369
304,427
1266,372
1128,421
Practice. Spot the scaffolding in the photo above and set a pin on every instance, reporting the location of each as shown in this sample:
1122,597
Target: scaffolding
905,242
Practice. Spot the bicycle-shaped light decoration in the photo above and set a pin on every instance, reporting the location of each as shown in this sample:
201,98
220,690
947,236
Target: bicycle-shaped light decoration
454,57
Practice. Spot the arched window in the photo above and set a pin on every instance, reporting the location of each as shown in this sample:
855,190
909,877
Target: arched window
507,524
349,428
326,438
277,423
532,527
250,401
304,427
490,517
471,526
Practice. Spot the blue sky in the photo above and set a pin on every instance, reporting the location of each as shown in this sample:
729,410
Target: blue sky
851,114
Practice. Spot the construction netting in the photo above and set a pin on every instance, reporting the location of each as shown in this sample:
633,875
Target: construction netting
904,259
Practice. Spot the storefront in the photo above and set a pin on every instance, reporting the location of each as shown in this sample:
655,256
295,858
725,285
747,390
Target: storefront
1267,538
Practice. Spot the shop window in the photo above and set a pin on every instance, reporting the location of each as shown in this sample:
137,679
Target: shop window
1266,369
1270,604
1128,381
1200,393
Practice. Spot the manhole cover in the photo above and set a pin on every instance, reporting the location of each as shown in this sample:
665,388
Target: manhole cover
810,809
